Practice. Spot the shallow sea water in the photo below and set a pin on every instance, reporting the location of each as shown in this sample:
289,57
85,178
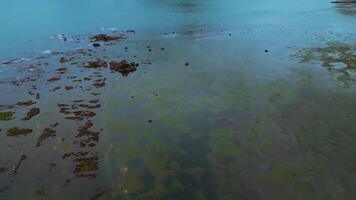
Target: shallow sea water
231,100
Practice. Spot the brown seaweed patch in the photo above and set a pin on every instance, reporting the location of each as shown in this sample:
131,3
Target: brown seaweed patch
15,132
83,131
68,88
123,67
25,103
96,64
6,116
107,38
89,106
89,136
47,133
99,84
54,79
74,118
33,112
84,113
62,70
55,89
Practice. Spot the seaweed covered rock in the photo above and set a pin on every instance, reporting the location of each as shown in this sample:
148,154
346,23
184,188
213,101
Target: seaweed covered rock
18,131
123,67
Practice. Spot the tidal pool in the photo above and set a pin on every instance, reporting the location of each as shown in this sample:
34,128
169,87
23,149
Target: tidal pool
177,99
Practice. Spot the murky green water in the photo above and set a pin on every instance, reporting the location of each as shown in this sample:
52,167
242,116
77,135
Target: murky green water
231,100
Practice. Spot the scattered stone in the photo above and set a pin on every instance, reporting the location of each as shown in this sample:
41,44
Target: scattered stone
64,111
61,37
96,45
63,60
94,101
55,89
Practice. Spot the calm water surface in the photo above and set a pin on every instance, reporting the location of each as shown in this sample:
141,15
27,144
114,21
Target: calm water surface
231,99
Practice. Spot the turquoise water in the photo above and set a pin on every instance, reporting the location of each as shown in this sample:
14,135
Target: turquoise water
25,26
231,100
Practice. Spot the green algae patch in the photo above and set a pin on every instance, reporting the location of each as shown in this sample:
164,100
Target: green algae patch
6,116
